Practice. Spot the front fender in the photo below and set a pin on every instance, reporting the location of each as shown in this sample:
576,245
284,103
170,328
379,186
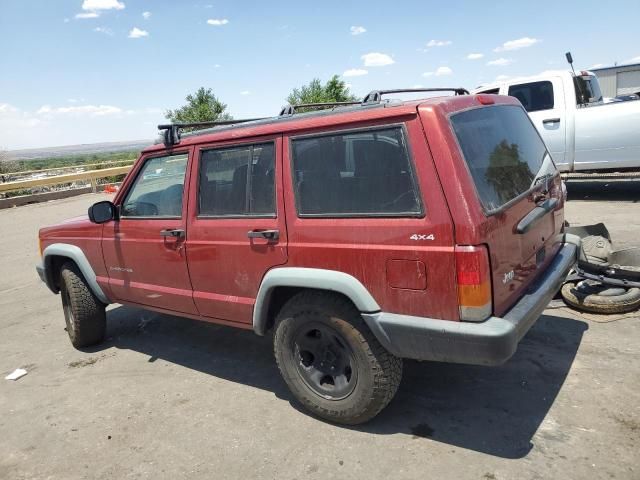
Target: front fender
315,278
72,252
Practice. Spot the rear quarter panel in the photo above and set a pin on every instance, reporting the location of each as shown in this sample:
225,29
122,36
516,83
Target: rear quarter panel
369,248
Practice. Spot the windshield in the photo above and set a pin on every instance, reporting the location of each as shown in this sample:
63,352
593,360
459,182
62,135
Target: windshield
587,89
504,152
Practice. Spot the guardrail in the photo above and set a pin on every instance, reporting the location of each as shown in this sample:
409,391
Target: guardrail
90,175
129,162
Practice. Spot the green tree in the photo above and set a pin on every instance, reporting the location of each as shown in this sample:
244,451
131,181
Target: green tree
203,106
335,90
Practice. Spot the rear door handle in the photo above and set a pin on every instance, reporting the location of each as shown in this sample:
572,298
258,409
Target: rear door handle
535,215
551,120
268,234
172,232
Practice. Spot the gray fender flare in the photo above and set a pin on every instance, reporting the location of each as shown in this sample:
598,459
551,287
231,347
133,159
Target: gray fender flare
74,253
315,278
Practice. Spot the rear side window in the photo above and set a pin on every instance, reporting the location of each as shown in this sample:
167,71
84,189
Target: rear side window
503,150
237,181
533,96
359,174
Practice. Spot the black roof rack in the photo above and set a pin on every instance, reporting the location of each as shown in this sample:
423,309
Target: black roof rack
375,96
171,134
291,109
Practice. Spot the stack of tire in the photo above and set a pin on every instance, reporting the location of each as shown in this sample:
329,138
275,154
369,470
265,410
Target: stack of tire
596,297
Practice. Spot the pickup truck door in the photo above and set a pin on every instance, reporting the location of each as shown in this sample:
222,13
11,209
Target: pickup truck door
237,228
144,250
544,101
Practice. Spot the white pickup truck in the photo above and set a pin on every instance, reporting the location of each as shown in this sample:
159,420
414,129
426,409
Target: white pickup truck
582,132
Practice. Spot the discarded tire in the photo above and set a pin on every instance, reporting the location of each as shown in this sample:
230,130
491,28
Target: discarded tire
592,296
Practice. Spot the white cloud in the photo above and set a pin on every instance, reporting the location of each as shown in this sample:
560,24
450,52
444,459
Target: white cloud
87,15
376,59
501,78
355,72
217,65
357,30
500,62
137,33
102,5
245,92
146,15
106,31
418,85
217,21
475,56
440,72
523,42
88,110
633,60
438,43
598,65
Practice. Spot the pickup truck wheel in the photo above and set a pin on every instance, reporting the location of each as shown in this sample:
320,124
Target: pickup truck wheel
595,297
331,361
83,312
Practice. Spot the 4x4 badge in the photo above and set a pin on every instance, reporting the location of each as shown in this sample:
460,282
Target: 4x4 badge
417,236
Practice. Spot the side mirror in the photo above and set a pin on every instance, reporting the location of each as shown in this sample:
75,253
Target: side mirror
102,212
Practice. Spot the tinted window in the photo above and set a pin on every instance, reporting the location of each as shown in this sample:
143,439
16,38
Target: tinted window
355,174
157,191
505,154
533,96
237,181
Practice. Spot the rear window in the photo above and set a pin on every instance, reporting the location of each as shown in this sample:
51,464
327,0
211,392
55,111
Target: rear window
504,152
358,174
534,96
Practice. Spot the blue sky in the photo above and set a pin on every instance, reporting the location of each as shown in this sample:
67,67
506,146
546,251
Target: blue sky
83,71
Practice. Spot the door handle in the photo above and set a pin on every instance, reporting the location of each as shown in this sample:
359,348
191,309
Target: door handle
268,234
551,120
172,232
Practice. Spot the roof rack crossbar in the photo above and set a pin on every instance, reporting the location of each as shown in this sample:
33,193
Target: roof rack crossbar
171,135
375,96
291,109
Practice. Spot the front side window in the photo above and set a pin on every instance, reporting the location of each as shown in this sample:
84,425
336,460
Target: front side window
237,181
503,151
157,190
534,96
357,174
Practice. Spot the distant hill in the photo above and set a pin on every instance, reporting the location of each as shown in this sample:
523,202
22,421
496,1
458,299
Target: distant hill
84,149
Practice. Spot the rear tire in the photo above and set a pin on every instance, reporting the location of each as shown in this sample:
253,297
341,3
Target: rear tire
598,298
330,360
84,314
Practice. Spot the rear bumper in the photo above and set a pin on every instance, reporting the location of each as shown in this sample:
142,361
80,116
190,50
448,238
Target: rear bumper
491,342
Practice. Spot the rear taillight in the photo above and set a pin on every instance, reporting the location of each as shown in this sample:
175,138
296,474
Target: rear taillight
474,283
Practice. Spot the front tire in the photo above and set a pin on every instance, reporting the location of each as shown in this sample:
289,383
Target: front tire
84,314
330,360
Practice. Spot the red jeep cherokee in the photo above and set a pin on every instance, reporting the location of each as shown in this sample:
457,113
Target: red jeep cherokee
358,235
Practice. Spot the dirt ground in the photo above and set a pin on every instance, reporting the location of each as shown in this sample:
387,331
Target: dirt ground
170,398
